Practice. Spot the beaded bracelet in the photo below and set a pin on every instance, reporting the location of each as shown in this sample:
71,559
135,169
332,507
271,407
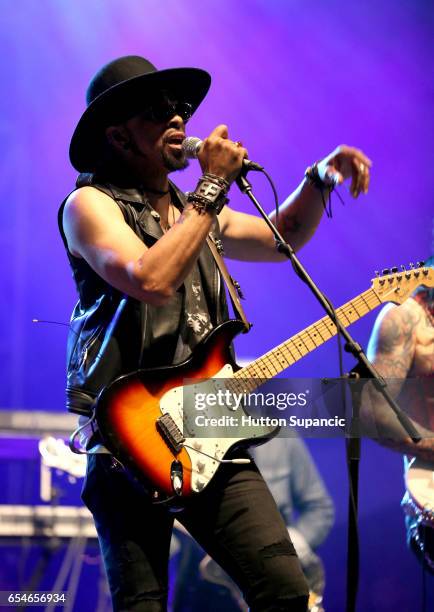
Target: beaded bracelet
313,178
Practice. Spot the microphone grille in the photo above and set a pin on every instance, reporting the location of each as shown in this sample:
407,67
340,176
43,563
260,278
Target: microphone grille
191,146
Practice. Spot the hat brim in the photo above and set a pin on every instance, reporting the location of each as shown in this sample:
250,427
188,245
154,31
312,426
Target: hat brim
126,99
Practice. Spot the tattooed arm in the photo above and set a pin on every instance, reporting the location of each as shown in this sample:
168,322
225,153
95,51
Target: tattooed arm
392,350
246,237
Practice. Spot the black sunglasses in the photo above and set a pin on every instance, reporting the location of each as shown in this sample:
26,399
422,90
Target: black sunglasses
164,109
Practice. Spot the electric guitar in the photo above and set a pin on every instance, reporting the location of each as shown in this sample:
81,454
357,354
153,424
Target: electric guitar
141,416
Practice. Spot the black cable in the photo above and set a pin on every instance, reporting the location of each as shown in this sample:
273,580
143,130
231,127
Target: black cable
276,197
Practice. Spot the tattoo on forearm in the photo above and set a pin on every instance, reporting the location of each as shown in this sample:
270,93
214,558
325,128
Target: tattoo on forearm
394,351
397,332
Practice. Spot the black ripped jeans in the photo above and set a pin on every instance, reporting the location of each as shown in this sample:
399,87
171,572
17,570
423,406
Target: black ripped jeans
235,519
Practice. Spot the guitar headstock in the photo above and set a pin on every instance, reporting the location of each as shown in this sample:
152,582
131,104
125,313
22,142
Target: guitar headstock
396,285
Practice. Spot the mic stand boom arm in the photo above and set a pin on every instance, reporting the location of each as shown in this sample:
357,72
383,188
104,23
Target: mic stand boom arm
351,346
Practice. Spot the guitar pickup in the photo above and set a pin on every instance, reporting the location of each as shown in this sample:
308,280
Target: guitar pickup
171,433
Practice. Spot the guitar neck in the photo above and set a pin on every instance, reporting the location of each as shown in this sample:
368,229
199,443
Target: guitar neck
290,351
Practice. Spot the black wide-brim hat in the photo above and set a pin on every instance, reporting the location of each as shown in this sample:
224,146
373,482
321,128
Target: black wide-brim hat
122,89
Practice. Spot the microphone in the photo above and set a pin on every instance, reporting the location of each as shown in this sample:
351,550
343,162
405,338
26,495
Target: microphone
191,147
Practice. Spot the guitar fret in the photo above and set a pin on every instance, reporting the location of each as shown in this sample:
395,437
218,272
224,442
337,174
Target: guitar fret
263,365
294,346
351,313
288,350
329,328
360,309
341,312
288,361
270,369
274,363
313,337
287,356
364,300
255,371
315,326
302,342
310,339
280,356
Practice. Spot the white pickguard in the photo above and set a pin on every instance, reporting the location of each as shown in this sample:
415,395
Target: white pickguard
204,466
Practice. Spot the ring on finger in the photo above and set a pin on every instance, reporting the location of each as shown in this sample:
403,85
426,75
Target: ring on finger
238,143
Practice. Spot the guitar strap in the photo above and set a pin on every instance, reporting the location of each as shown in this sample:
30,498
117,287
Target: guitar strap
233,286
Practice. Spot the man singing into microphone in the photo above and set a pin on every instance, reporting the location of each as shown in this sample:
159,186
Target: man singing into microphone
149,291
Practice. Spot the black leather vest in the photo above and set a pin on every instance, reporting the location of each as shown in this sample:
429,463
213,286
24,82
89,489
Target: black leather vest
113,334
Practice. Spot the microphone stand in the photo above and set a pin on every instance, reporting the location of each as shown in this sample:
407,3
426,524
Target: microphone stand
368,370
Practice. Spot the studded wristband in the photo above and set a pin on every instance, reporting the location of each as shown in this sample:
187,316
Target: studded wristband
208,195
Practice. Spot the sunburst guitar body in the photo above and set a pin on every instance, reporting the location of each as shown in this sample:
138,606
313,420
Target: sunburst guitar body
141,419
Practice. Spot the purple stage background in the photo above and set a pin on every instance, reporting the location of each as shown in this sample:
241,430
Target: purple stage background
292,80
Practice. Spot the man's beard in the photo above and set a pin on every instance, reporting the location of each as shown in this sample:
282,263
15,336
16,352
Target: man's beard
172,162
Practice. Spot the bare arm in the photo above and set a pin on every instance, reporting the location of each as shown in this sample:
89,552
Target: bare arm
391,348
96,230
248,238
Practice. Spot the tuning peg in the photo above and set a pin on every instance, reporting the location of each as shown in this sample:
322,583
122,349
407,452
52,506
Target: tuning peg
377,274
403,268
394,270
420,264
411,265
385,271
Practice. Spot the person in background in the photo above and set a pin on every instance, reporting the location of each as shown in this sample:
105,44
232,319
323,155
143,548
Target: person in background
401,347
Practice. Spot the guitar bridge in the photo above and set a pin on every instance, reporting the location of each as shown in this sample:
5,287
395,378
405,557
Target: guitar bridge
170,432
